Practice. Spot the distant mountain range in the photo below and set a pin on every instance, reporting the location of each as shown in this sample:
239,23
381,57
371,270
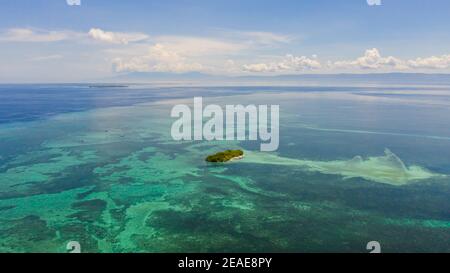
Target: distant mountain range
197,77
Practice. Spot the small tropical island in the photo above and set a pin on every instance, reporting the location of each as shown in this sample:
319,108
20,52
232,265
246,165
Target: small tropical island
225,156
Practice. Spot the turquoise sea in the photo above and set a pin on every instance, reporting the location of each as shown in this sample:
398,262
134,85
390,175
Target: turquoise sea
99,166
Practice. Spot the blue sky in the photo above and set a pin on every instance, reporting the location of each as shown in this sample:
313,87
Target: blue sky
48,40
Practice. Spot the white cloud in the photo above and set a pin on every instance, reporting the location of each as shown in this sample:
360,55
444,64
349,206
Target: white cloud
116,37
261,67
158,59
32,35
176,54
135,64
289,63
39,35
254,38
226,52
433,62
372,59
267,38
198,46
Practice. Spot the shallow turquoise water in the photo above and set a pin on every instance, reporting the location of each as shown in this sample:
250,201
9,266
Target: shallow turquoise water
113,179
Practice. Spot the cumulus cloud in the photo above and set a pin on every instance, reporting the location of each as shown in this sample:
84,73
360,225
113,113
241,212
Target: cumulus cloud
116,37
158,59
229,52
261,67
134,64
175,54
372,59
433,62
33,35
289,63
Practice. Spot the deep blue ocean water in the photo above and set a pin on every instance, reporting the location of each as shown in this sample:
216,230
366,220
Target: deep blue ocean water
37,101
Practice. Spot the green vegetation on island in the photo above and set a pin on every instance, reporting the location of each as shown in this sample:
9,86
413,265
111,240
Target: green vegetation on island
226,156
